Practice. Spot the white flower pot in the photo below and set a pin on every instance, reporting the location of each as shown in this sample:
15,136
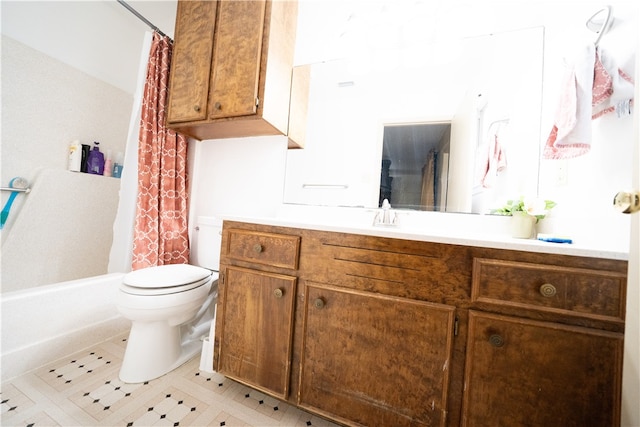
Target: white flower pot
522,225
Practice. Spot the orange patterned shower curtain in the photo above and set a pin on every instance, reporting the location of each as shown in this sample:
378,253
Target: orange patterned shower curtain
161,230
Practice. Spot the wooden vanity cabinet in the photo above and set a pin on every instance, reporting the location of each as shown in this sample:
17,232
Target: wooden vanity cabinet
231,68
367,330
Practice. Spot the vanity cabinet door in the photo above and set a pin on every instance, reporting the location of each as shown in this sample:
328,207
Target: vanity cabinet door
372,359
256,322
522,372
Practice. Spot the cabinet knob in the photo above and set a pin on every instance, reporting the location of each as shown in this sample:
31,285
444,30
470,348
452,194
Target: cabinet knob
196,108
278,293
257,248
496,340
217,106
318,303
548,290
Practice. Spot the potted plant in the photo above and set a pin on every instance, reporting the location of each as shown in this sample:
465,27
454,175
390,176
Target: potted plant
526,212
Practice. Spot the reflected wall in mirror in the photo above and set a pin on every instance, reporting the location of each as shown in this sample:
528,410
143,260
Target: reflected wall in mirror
473,84
415,164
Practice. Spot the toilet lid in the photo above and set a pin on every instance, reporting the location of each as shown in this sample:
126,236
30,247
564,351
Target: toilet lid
164,279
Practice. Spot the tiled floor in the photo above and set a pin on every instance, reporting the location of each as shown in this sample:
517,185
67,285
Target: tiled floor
84,390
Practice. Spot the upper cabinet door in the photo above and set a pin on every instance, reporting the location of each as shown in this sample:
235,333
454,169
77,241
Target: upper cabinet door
236,58
231,70
191,62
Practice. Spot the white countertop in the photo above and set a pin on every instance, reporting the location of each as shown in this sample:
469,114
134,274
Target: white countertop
459,229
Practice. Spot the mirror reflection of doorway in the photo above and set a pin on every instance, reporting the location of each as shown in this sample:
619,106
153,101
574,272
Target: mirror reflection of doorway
415,162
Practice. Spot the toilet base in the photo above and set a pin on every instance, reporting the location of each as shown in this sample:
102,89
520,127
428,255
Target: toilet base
155,349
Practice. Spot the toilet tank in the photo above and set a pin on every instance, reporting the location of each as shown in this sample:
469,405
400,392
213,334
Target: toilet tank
206,240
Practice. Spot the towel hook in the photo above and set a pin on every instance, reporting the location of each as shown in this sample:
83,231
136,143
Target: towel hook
600,22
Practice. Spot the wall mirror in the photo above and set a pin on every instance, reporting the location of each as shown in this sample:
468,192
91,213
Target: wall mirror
470,107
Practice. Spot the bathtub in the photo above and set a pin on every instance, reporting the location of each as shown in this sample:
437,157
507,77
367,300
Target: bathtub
46,323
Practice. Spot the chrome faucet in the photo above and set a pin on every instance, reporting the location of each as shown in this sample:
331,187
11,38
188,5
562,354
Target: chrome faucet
385,216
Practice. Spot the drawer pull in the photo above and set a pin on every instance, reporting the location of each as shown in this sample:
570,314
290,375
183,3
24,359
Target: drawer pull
548,290
196,108
257,248
278,293
496,340
217,106
318,303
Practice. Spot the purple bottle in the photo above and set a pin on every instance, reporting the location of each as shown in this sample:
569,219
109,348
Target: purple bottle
95,160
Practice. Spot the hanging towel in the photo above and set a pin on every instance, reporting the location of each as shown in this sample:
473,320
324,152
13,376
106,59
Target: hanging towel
593,87
571,132
611,86
495,159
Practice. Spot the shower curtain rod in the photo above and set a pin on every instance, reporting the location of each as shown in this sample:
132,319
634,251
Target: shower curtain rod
141,17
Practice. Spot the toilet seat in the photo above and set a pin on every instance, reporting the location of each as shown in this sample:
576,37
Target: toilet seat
165,279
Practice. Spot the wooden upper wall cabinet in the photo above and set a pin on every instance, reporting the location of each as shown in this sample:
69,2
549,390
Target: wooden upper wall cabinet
231,68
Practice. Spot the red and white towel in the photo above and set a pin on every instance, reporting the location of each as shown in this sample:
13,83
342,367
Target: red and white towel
589,90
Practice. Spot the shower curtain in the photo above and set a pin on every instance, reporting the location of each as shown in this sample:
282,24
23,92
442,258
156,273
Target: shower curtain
161,229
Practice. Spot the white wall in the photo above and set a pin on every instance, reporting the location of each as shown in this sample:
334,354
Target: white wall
98,37
237,176
68,72
45,105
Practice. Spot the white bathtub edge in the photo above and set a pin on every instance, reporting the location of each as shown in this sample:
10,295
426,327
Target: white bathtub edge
29,358
43,324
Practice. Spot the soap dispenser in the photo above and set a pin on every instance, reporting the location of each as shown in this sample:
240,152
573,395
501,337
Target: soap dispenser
95,161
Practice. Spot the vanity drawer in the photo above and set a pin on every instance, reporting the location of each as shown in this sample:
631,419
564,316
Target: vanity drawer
552,288
277,250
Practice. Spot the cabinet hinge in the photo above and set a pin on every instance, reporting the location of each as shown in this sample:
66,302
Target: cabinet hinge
221,279
257,102
455,327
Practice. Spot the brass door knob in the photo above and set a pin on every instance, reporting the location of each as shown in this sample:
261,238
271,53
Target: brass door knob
257,248
318,303
627,201
548,290
278,293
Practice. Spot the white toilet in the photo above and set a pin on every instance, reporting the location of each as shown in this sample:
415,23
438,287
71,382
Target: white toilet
171,308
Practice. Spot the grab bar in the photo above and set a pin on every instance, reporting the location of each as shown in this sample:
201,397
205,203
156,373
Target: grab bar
17,190
16,185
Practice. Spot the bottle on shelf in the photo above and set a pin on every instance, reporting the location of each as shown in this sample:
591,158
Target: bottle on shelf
95,160
75,156
117,166
108,164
